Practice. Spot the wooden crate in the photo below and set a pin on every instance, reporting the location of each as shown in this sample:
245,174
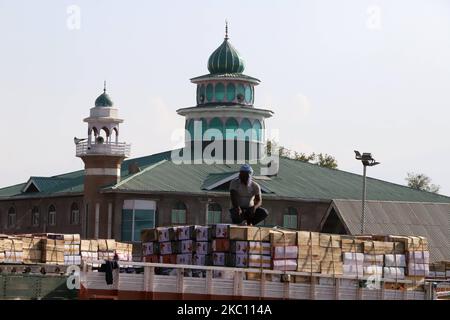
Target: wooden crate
306,238
249,233
287,238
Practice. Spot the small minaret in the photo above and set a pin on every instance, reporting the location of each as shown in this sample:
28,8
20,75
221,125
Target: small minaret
102,154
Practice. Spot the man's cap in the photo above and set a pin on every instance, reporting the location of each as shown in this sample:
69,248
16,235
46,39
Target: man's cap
246,168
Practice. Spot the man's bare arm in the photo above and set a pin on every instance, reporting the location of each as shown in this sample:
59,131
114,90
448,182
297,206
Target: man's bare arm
257,201
234,198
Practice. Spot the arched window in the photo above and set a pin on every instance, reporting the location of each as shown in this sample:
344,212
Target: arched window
11,217
201,94
179,213
74,214
190,129
209,92
219,92
217,124
240,93
247,127
290,218
214,213
52,215
248,94
257,128
230,128
231,92
35,217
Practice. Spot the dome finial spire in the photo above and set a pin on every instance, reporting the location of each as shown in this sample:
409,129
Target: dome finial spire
226,29
104,86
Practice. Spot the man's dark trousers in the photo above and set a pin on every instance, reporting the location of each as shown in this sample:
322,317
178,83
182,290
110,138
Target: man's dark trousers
259,215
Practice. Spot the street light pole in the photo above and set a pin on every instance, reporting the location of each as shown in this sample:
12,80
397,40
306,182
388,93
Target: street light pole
367,160
363,215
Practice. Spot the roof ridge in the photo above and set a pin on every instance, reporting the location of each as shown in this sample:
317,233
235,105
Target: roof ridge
148,168
377,179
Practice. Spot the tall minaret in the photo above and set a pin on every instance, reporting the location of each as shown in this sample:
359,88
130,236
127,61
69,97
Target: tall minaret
225,115
102,154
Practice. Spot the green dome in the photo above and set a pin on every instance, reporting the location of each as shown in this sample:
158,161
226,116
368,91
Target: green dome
225,59
103,100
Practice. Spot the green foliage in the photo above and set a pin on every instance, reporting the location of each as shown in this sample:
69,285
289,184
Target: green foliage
422,182
320,159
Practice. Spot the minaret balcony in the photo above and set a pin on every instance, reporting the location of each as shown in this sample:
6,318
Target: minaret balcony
106,149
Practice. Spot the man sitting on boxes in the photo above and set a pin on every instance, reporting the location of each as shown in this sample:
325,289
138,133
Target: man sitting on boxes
246,199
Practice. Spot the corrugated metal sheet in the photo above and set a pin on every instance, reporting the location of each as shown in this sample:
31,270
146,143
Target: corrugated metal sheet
404,218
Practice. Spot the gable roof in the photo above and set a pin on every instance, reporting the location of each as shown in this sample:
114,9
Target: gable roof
430,220
295,180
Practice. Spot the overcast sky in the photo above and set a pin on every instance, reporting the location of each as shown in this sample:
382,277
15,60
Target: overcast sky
339,75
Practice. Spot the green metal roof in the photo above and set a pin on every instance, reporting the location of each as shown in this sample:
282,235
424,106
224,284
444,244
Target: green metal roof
295,179
234,76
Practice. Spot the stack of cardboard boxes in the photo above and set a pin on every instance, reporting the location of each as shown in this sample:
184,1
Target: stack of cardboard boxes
32,249
12,250
89,249
72,255
440,270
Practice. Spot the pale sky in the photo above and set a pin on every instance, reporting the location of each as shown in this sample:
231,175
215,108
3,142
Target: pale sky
339,75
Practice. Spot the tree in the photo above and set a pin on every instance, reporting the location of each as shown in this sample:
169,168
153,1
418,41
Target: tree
320,159
422,182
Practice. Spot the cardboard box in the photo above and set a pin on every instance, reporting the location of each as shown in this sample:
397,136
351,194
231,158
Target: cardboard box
72,249
418,257
202,233
154,258
105,255
350,258
411,243
331,267
32,255
106,245
72,260
184,232
373,270
330,254
89,255
352,245
285,252
281,237
374,259
72,238
160,234
353,270
259,261
31,243
393,273
330,240
202,247
89,245
12,244
306,238
397,260
239,260
185,246
166,248
256,247
221,245
150,248
285,265
310,252
418,269
201,259
53,256
220,258
184,258
168,258
220,231
13,256
308,266
239,247
249,233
